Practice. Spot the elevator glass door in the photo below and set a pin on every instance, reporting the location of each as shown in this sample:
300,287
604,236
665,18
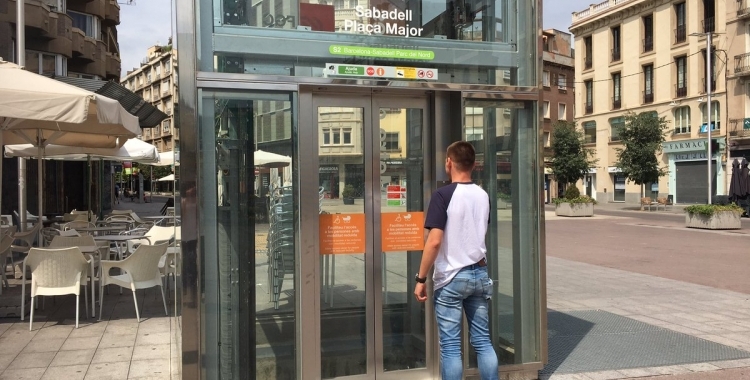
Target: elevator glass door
372,178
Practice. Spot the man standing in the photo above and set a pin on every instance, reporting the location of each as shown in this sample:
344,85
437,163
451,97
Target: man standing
457,220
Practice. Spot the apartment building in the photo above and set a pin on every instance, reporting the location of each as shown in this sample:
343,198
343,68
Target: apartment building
156,82
75,38
738,80
628,62
558,97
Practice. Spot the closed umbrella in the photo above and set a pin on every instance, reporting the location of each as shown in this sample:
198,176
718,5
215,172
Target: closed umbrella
744,182
735,186
40,111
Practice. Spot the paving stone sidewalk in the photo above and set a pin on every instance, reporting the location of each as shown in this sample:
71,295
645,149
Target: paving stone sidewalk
702,312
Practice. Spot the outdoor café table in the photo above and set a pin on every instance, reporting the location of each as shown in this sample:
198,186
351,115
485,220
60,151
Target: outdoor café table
119,239
170,218
110,229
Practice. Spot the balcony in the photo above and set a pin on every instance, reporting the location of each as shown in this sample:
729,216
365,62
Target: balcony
680,34
680,92
616,55
616,103
648,44
742,64
739,128
587,63
589,108
703,86
37,16
111,13
743,9
709,24
648,97
113,65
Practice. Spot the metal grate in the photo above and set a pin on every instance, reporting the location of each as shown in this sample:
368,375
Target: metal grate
593,340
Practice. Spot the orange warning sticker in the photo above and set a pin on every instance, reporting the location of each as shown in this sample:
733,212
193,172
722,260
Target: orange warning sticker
341,233
402,231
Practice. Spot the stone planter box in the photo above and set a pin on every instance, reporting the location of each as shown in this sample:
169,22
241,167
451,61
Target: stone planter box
720,220
574,209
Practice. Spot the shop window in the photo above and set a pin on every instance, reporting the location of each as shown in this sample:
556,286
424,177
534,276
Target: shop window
715,121
682,120
589,132
616,124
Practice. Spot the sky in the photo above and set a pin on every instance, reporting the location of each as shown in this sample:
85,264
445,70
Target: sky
143,24
147,22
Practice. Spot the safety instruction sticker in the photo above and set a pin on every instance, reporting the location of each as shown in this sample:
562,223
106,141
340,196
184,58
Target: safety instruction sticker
402,231
372,71
341,233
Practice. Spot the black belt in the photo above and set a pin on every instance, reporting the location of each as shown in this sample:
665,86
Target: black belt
480,263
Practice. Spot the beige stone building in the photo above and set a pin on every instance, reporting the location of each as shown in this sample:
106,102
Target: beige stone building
650,55
738,80
156,82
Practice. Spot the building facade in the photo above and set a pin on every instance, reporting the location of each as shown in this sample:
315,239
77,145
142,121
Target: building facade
71,38
312,136
627,64
65,37
156,82
558,96
738,86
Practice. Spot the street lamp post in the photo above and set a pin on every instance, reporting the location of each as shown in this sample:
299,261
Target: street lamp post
709,52
708,108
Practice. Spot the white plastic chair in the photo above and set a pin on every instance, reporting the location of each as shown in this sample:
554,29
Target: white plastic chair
77,241
5,243
68,233
78,224
6,220
140,271
48,233
54,272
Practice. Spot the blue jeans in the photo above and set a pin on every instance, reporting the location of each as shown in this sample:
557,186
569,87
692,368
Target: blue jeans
471,290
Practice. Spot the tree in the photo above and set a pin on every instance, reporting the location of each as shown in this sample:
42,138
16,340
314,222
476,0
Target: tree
642,138
571,161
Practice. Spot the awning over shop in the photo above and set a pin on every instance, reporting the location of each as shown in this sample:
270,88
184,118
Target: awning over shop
148,115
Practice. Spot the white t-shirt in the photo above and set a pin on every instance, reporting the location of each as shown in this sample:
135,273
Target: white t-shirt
462,211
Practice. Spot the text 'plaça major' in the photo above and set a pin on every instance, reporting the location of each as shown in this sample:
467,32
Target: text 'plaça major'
389,28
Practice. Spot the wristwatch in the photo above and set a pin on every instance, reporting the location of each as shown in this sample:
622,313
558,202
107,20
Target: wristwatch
421,280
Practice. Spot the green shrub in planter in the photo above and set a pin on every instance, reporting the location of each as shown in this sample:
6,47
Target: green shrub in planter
503,197
577,200
572,192
709,210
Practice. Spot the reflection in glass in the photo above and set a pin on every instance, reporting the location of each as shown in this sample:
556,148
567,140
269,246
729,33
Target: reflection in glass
249,277
343,322
504,149
401,179
465,20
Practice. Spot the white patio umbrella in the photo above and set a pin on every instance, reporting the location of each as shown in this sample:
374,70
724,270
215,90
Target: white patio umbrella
40,111
270,160
166,178
133,150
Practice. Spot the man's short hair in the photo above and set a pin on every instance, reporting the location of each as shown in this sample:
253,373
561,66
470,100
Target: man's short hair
462,154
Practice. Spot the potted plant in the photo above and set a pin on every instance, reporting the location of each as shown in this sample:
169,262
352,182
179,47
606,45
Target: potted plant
348,195
573,204
503,200
714,217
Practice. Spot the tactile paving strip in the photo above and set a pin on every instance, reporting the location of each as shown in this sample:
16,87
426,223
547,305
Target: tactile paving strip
594,340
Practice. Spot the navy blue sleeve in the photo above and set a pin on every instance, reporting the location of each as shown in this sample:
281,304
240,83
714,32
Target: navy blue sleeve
437,212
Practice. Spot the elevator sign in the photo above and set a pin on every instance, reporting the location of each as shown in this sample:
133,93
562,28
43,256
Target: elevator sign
372,71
